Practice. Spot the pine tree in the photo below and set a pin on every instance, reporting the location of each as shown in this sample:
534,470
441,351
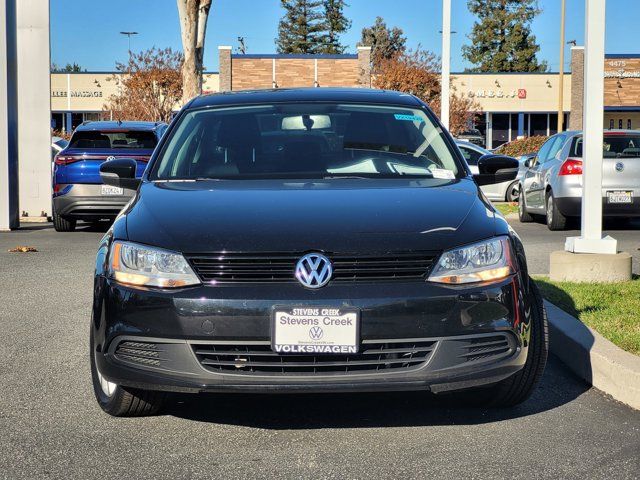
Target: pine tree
301,28
385,43
335,24
501,39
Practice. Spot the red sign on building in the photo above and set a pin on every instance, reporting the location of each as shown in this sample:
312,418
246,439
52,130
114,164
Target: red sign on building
522,93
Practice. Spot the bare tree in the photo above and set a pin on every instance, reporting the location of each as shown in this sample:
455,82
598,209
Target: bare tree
150,86
193,26
416,72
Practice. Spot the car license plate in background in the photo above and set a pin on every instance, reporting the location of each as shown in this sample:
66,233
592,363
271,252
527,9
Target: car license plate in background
315,330
620,197
109,190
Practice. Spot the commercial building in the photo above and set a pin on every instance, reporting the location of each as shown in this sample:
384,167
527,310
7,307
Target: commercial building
509,104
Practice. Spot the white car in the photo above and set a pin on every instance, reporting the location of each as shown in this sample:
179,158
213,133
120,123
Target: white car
501,192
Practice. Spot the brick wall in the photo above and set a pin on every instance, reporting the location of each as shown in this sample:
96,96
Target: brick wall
246,72
577,88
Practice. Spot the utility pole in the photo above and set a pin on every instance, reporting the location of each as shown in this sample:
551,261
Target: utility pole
561,72
446,62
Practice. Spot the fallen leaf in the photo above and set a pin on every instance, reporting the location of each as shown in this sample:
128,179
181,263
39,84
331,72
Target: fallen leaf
22,249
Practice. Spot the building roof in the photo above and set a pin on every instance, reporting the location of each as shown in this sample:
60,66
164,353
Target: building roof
325,94
114,125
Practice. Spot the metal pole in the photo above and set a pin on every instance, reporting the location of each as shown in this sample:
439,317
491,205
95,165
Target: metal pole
561,71
446,62
9,208
591,239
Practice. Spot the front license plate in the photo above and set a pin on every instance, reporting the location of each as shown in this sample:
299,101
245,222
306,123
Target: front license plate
109,190
315,330
620,197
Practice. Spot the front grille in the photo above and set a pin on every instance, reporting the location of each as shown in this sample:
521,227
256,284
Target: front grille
143,353
279,267
482,348
258,358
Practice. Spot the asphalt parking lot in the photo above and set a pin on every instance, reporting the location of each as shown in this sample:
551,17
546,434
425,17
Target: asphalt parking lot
52,428
539,241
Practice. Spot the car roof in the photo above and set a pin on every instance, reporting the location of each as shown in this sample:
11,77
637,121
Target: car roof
324,94
115,125
473,146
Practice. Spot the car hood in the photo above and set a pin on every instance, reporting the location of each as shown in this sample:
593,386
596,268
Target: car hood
354,215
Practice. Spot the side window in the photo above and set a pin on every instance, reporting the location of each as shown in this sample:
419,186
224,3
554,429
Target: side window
555,147
470,155
542,154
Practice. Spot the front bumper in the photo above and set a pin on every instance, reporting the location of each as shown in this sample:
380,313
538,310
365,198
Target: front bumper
475,335
86,202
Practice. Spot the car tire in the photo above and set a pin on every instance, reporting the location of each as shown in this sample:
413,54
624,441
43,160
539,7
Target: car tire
523,215
518,387
555,219
120,401
513,192
62,224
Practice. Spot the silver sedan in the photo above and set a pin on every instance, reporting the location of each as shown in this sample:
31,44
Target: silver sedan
552,182
505,191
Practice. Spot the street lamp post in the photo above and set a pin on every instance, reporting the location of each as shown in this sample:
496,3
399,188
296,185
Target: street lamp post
591,239
446,62
561,71
129,34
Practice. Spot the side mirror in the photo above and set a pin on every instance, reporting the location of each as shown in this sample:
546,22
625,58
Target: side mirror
529,162
496,169
120,172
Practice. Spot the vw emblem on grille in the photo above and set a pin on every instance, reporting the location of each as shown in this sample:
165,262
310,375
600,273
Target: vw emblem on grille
315,333
619,167
314,270
110,157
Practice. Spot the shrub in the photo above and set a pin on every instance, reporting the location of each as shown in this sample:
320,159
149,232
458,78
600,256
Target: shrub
522,146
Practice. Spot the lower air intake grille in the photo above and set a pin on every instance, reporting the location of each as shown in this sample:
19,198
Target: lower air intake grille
143,353
488,347
258,358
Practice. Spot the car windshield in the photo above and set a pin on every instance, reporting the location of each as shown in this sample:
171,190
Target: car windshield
128,139
296,140
614,146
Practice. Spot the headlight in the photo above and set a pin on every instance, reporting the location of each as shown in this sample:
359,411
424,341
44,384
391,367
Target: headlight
135,264
479,262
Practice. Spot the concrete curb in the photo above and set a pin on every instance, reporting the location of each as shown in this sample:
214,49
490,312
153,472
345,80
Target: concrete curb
593,357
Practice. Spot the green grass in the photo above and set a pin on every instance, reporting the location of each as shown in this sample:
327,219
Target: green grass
612,309
507,208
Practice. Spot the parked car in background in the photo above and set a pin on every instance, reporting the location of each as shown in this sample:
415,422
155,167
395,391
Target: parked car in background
78,191
505,191
57,145
473,136
552,182
311,240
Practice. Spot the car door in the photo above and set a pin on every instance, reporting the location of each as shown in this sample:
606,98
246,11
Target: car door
533,185
551,162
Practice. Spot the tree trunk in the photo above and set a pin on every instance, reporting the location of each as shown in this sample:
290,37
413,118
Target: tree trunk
193,26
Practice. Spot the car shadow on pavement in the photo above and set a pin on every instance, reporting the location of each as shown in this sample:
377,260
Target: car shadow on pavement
369,410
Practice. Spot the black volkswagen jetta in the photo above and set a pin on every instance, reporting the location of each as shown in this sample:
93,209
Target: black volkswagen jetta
311,240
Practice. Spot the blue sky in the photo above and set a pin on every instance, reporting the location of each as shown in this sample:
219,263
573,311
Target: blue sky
87,32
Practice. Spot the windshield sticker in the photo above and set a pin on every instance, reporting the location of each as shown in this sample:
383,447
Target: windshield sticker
442,173
409,118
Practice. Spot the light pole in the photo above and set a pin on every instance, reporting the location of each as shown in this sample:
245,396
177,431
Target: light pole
128,34
446,62
561,72
591,239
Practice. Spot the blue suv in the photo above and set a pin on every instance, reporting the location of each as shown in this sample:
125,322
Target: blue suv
78,191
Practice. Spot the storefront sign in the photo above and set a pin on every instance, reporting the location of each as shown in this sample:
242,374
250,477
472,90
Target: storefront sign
482,93
77,93
622,73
